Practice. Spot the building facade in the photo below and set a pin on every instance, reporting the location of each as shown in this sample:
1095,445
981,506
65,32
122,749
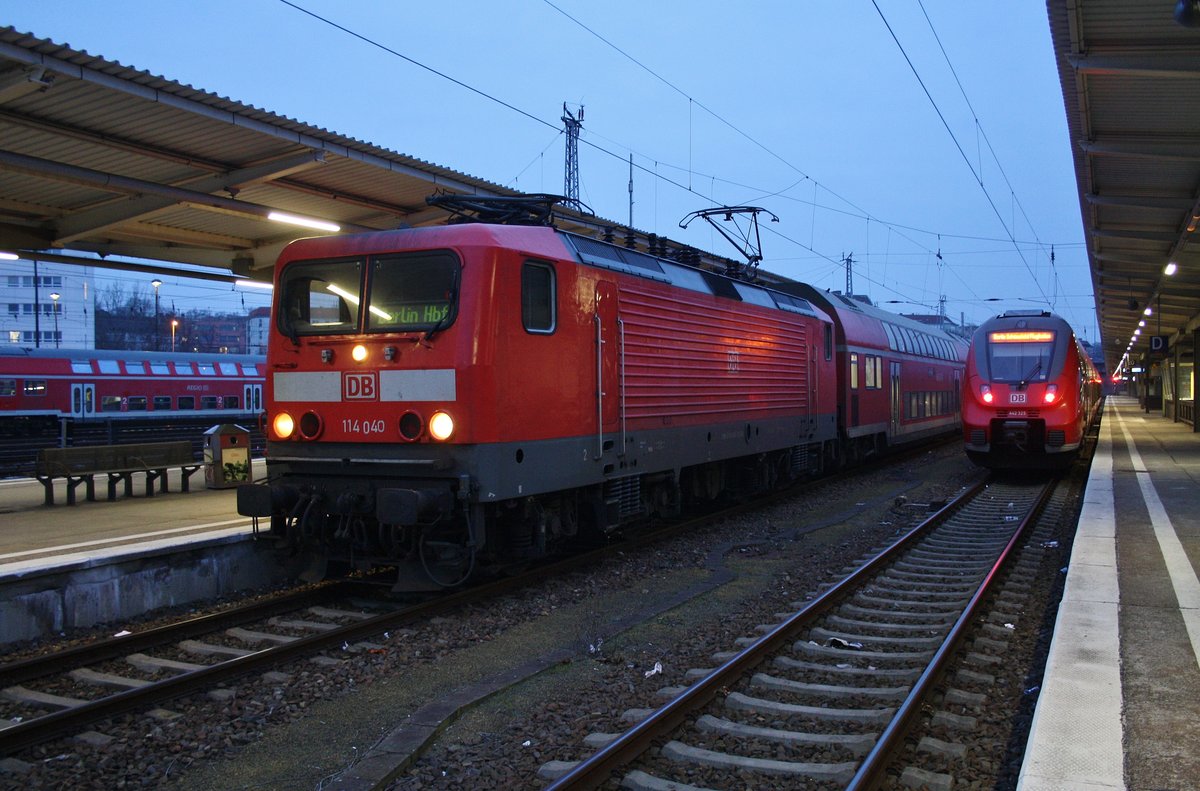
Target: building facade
47,305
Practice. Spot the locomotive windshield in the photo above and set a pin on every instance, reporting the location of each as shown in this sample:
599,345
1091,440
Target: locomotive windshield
413,292
408,292
1020,356
320,297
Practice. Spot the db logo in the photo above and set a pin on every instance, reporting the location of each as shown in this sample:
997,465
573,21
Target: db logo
360,387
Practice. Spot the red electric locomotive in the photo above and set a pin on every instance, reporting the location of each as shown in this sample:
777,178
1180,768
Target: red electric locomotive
1031,392
471,396
45,386
477,394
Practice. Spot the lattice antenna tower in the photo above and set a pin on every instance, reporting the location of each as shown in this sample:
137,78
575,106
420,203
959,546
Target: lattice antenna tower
571,165
848,260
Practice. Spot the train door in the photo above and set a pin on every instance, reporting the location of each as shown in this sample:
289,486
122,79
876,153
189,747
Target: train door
897,398
83,400
253,398
608,368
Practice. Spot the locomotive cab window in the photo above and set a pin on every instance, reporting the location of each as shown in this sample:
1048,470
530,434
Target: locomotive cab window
538,312
413,292
320,298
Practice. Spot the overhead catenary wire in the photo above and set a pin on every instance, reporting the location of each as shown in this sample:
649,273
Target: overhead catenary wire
958,145
628,157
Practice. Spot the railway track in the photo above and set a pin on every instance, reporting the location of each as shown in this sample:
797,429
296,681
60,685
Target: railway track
64,693
116,675
825,697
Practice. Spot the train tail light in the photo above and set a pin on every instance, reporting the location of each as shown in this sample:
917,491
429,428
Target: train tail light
1051,394
283,425
985,392
441,426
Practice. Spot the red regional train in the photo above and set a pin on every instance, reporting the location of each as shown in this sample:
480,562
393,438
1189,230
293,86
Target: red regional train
1031,391
45,386
462,397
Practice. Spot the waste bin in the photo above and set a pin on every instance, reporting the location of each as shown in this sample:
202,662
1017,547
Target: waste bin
226,456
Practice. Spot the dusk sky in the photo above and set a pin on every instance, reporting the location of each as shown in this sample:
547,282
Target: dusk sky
809,109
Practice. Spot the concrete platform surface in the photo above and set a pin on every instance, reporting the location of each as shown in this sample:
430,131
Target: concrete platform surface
1120,702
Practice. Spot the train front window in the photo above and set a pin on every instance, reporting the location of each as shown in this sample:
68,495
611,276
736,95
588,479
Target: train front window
1020,355
413,292
320,298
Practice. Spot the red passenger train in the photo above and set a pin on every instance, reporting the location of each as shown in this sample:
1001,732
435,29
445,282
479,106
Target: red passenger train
1031,392
39,387
473,395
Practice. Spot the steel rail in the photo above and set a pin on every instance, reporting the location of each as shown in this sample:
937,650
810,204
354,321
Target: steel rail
873,766
36,667
595,770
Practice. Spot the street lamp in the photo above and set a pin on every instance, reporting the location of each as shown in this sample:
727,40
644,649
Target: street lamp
174,324
156,283
54,295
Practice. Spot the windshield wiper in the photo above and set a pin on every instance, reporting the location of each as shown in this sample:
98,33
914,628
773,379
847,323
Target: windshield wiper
444,321
1025,379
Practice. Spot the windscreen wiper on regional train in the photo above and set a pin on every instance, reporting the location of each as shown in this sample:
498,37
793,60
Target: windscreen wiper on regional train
1025,379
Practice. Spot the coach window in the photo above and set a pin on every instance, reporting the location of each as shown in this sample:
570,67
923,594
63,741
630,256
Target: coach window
186,402
162,402
828,341
185,369
206,369
8,387
81,366
210,402
108,366
159,369
110,403
537,297
249,370
874,372
34,387
136,403
853,371
231,402
132,367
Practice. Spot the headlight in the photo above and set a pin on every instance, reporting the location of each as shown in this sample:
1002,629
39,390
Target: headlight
359,353
441,426
311,425
1051,394
985,392
283,425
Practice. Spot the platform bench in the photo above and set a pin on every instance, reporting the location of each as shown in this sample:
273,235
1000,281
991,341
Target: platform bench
119,463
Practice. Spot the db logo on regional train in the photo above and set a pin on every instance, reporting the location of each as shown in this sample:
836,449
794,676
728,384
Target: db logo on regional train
360,386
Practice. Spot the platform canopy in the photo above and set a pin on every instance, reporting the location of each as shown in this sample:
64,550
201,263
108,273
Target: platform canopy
100,158
1130,75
